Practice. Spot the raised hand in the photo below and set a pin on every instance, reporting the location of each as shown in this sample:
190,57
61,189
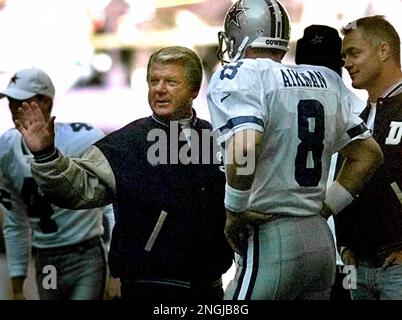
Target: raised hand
38,132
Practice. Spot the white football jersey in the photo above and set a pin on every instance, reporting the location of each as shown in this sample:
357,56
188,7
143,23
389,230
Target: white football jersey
27,209
305,114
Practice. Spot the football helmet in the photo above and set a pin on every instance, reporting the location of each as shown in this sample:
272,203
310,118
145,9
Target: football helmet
255,24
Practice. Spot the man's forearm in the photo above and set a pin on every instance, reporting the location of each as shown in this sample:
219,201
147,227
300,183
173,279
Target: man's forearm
241,159
362,159
76,183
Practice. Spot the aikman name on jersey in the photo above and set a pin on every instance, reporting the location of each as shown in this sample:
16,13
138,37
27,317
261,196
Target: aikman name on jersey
293,78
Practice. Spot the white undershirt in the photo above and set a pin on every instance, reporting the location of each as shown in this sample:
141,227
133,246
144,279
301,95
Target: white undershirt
185,125
371,117
389,93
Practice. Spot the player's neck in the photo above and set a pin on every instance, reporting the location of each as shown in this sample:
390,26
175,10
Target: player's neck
255,55
390,78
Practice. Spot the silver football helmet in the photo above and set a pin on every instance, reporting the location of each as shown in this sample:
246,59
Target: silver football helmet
255,24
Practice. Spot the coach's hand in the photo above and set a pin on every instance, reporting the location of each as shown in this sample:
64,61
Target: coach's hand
38,131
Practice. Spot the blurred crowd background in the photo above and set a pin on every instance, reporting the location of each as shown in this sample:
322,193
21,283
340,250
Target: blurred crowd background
96,51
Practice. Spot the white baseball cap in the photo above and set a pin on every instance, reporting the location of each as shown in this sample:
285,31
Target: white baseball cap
27,83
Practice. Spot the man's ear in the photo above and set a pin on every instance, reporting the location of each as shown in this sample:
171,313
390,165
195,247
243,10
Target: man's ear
48,102
384,51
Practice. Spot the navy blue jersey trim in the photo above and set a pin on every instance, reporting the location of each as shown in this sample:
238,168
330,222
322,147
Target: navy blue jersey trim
357,130
256,258
240,120
241,278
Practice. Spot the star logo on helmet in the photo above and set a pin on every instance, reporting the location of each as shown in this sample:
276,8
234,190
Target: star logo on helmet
234,13
317,39
14,79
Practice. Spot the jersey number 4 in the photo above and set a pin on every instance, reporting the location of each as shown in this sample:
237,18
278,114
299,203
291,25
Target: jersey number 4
311,130
77,126
38,206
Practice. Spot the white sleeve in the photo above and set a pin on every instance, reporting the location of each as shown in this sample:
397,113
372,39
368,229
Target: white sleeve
236,100
73,139
82,183
17,231
353,127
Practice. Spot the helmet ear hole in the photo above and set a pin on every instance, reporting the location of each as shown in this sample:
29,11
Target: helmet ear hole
231,52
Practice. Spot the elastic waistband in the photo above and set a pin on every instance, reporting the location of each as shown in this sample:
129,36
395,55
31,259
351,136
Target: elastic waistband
76,247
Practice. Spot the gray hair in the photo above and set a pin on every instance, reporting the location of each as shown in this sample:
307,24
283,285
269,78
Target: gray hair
182,56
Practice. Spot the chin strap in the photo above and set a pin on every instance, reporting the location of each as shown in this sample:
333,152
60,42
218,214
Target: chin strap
240,49
222,38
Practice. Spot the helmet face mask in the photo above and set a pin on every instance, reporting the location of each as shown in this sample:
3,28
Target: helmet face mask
223,41
255,24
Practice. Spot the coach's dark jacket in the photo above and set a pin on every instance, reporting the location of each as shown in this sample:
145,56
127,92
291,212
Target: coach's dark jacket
191,244
372,225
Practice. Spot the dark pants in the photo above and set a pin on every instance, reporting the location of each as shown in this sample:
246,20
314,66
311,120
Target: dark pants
170,290
338,292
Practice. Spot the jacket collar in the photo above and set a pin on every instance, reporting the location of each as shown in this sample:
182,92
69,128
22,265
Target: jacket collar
167,123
